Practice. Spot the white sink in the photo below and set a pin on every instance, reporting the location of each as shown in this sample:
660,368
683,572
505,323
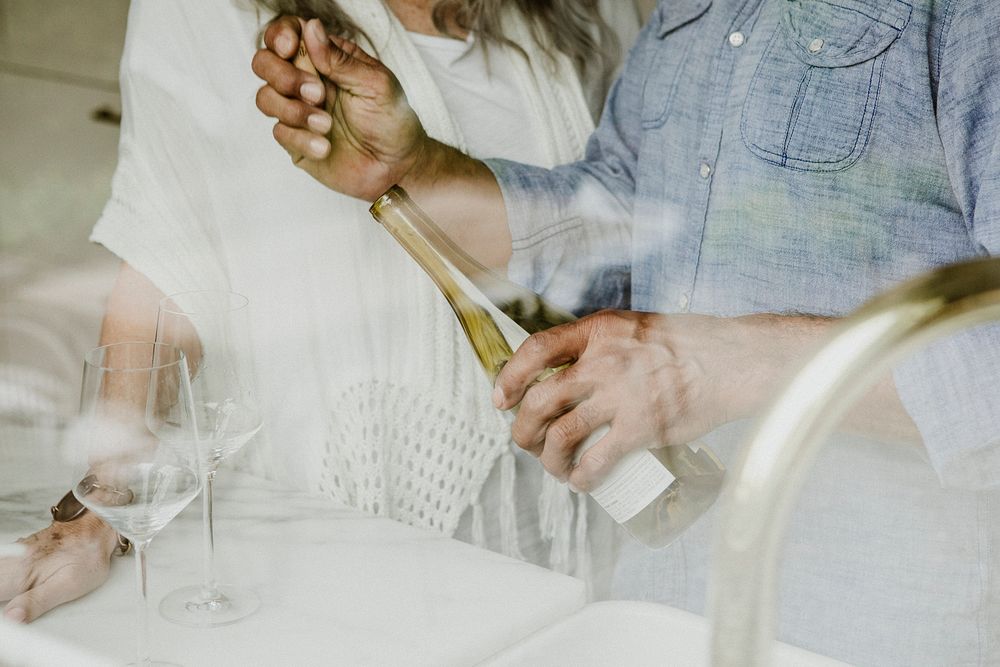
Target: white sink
633,634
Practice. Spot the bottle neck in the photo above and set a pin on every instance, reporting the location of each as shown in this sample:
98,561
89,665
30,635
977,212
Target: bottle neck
492,335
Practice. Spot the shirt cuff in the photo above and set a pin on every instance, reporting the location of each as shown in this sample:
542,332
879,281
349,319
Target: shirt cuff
569,239
952,393
533,216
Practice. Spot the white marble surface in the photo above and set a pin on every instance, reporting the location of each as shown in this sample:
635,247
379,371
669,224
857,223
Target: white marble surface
336,587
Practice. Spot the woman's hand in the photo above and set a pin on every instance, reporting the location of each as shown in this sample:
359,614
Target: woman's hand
351,128
59,563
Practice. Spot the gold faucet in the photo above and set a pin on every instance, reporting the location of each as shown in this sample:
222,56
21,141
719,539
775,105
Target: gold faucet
764,487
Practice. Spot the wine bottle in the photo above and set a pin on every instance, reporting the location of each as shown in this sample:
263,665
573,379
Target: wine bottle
655,494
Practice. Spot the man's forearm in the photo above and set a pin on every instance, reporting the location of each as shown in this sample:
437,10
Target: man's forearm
462,196
778,345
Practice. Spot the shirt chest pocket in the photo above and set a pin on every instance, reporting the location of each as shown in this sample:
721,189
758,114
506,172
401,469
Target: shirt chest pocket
677,33
813,98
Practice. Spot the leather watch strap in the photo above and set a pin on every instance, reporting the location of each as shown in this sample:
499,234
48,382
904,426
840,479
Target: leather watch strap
69,508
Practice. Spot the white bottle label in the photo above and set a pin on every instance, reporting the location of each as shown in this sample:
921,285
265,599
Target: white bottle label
632,484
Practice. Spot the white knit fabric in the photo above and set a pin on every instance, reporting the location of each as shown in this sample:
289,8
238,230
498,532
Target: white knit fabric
371,393
399,453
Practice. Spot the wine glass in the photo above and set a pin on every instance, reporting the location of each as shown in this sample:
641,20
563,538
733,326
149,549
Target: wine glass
211,326
135,448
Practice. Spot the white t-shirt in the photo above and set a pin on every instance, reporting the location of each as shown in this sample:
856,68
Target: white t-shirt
483,97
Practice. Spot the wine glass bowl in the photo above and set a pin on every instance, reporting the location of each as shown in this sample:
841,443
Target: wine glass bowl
135,437
212,326
228,426
142,499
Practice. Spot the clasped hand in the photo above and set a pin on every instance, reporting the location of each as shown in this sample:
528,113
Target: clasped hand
351,128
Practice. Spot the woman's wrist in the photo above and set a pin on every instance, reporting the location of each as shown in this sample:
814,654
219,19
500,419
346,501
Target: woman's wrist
435,165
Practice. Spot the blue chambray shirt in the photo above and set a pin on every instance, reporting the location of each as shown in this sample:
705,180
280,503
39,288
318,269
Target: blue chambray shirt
801,156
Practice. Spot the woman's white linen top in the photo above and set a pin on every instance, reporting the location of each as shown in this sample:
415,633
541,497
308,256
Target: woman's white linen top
372,396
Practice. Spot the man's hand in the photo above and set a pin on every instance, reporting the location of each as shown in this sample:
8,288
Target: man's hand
642,374
59,563
663,380
351,129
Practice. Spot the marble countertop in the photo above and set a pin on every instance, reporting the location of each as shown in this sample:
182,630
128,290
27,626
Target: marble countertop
337,587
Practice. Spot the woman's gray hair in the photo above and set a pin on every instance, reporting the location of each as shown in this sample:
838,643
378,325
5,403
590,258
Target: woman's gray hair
572,27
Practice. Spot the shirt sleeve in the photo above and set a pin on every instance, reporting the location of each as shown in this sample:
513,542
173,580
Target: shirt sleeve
159,217
570,226
951,389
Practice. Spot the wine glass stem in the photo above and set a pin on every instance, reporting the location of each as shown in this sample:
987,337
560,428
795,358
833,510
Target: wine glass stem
209,589
142,610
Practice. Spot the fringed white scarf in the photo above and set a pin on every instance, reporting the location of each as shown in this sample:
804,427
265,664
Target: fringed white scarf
555,97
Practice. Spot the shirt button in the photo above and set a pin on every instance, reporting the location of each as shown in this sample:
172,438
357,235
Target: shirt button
705,170
816,45
737,39
683,301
